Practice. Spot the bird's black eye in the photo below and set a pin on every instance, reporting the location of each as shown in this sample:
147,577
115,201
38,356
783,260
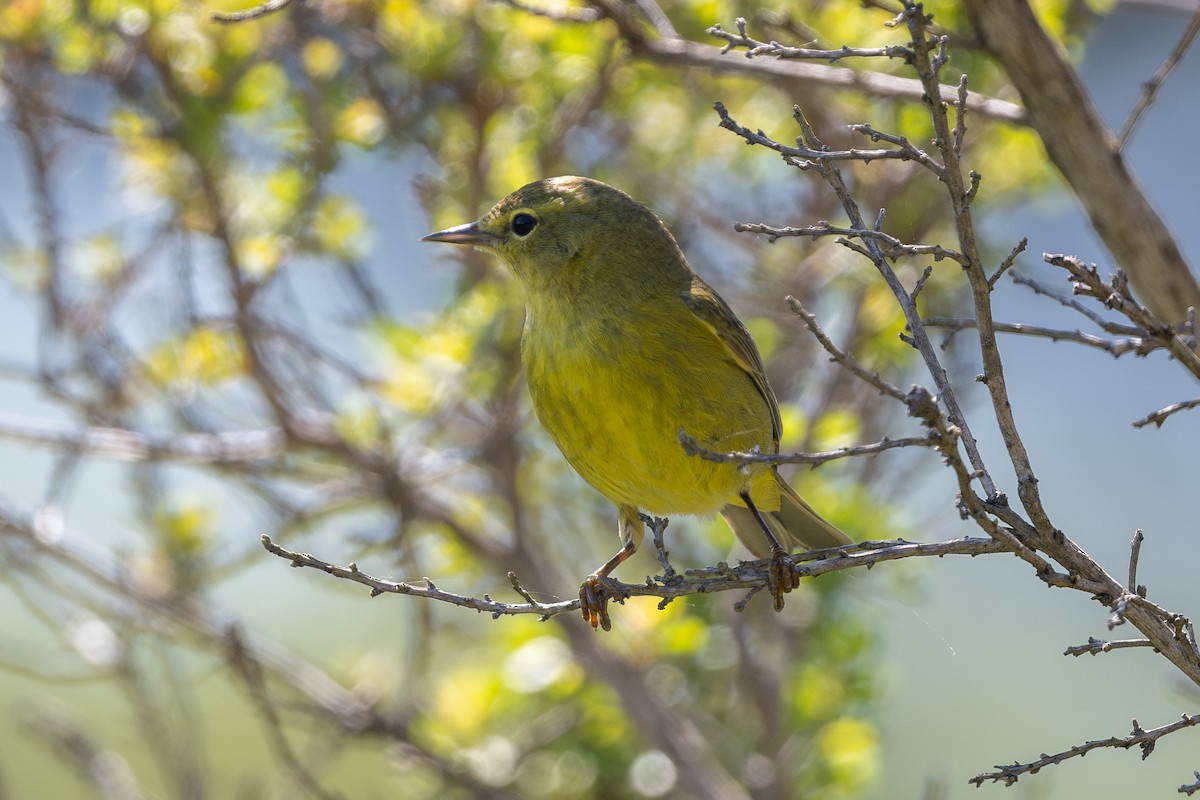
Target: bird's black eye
523,223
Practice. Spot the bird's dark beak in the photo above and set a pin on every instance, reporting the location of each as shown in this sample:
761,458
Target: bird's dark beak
470,234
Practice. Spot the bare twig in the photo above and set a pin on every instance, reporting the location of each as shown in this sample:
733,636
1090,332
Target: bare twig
257,12
921,281
903,144
720,578
1150,89
1096,646
569,14
693,448
838,356
806,157
959,196
960,116
679,52
753,47
1190,788
684,53
1135,552
1159,417
1108,326
895,247
1115,347
1115,294
252,675
658,526
1143,739
1008,262
119,444
108,773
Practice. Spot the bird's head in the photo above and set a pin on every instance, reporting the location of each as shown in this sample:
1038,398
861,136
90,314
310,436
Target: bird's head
571,229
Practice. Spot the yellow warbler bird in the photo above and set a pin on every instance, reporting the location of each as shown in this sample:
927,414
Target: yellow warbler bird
624,348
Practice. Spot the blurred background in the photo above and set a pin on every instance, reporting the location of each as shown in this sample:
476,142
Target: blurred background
215,322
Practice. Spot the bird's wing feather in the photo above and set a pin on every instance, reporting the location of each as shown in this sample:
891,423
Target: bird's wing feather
716,315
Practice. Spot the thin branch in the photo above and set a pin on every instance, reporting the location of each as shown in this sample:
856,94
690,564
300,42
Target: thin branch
1008,262
879,84
1135,552
521,590
251,672
905,146
658,18
895,247
1150,90
720,578
753,47
1108,326
1096,646
1115,294
430,590
1159,417
257,12
120,444
960,115
658,527
1143,739
103,769
1129,604
921,281
1114,347
807,157
569,14
692,447
838,356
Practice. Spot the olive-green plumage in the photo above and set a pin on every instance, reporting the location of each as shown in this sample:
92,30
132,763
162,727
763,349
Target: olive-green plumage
624,347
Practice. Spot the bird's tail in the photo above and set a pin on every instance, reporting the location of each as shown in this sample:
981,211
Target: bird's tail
795,525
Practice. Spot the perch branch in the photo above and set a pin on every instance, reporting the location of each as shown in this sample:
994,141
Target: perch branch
720,578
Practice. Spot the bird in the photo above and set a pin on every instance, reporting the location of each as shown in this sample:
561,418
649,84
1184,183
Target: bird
627,351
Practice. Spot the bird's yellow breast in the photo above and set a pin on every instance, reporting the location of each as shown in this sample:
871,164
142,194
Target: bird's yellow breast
614,390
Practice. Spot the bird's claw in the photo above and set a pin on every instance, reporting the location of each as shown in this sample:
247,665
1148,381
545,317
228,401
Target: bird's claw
782,576
594,595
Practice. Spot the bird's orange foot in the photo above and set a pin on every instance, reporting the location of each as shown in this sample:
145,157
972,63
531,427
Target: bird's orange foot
594,595
781,576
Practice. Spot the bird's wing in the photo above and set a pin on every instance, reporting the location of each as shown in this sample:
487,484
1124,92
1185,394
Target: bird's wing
716,315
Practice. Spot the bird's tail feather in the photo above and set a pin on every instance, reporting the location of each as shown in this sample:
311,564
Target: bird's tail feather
795,525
